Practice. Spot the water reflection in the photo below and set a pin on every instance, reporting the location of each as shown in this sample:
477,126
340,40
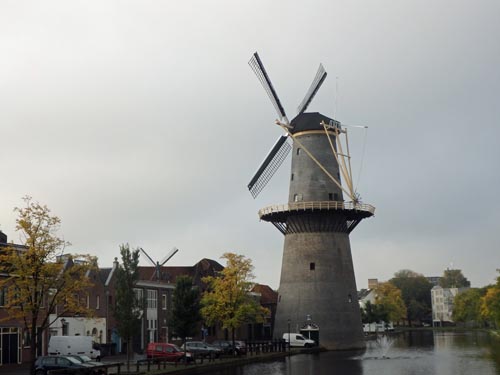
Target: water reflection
409,353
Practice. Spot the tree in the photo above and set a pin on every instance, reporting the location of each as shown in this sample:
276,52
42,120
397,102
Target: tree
390,301
228,300
490,303
416,292
467,306
128,306
372,313
185,308
454,279
39,278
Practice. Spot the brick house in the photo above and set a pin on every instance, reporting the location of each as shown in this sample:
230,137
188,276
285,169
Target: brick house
156,288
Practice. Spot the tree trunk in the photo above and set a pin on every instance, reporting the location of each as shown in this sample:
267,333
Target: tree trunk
232,337
128,354
33,344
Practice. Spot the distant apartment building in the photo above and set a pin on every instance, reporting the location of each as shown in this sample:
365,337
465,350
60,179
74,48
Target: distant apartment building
442,304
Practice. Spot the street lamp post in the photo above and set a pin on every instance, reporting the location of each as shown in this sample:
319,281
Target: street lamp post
288,334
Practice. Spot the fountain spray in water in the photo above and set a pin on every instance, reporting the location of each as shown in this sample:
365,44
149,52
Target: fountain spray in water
384,342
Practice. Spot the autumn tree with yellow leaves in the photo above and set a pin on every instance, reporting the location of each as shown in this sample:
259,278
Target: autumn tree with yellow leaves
227,300
38,278
390,300
490,304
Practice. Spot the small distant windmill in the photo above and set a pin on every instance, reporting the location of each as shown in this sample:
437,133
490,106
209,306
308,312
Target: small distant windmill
160,264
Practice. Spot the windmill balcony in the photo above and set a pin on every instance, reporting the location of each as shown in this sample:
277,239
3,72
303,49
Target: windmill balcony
360,208
316,216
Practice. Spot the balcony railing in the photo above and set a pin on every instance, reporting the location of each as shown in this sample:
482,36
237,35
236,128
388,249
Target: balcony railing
311,206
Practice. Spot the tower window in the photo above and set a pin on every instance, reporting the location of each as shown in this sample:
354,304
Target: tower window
312,266
349,298
298,151
291,178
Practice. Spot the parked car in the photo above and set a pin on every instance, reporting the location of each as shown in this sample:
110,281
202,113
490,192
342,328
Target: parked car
199,348
241,347
169,352
99,367
228,348
296,339
60,362
225,346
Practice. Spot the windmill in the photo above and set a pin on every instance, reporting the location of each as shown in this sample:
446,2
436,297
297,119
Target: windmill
317,275
160,264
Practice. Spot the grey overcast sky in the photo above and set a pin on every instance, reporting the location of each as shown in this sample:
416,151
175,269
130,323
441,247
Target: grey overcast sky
141,122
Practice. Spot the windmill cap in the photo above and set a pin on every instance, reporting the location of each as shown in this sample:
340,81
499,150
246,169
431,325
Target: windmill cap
310,121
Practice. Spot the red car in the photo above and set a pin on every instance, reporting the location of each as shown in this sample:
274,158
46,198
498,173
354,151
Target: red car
169,352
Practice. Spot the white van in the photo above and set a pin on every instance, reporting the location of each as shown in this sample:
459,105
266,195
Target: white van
296,339
74,345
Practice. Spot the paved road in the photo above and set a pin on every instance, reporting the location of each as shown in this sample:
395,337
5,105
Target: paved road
24,368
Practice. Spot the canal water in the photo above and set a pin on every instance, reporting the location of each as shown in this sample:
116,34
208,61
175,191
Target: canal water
408,353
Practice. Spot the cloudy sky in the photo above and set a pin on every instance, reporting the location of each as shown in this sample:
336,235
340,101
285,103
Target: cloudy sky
141,122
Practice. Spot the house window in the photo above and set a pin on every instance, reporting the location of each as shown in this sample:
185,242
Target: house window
139,296
26,338
97,302
164,301
3,296
312,266
297,197
349,298
330,196
335,197
152,299
88,301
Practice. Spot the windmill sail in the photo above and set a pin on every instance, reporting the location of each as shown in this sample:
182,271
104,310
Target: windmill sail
147,256
270,165
169,256
313,89
259,70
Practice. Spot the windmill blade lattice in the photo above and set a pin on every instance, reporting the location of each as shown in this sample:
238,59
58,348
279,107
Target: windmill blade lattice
313,89
269,166
259,70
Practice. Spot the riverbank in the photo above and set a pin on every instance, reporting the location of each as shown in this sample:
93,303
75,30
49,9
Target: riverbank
215,365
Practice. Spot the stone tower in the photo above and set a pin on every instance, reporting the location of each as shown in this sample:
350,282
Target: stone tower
317,273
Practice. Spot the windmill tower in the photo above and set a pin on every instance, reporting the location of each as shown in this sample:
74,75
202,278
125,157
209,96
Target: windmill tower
317,281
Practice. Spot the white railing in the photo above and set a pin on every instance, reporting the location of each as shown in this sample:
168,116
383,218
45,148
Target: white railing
311,206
